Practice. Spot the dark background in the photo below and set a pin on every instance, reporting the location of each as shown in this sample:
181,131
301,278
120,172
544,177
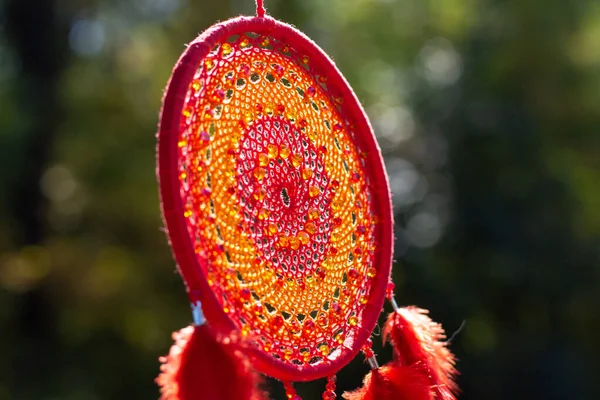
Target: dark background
488,113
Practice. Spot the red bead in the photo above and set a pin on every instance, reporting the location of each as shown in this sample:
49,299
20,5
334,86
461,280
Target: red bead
389,291
335,308
278,322
244,70
279,70
218,95
329,395
353,273
309,325
245,294
238,303
204,136
321,274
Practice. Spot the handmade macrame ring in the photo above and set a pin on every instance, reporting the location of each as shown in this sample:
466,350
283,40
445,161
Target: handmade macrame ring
218,187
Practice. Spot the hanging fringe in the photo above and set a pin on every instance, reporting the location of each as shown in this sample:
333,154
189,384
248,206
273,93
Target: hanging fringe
202,364
418,340
423,367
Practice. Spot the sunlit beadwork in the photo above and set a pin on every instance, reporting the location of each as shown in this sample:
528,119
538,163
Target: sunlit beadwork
276,181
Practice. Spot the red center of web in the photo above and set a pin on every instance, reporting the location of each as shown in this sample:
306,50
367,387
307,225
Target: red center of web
284,196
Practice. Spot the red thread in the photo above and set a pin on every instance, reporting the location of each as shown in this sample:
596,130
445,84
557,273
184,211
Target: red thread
260,8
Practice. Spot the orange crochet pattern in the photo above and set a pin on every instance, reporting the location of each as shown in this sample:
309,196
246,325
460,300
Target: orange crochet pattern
276,199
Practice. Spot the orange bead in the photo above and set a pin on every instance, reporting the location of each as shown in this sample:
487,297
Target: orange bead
303,237
310,228
294,243
263,160
272,150
284,151
272,228
296,160
259,194
307,173
259,173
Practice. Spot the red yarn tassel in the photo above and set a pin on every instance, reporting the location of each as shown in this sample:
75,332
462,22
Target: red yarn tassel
392,382
418,341
201,365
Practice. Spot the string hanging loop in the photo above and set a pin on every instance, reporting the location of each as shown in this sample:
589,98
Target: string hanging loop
260,8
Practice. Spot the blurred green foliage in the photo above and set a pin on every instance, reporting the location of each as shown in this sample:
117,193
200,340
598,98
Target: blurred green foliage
488,114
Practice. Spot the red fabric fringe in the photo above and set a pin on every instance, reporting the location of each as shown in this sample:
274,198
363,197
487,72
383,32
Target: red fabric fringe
392,382
419,341
202,365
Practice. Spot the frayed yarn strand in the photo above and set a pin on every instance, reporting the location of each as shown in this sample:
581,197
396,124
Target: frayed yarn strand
260,8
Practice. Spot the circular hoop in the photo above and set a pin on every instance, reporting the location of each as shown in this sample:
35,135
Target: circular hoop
173,209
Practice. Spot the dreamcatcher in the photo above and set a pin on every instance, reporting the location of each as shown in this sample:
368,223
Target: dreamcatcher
278,212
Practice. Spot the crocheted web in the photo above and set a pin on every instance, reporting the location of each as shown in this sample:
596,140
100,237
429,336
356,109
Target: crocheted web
276,199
